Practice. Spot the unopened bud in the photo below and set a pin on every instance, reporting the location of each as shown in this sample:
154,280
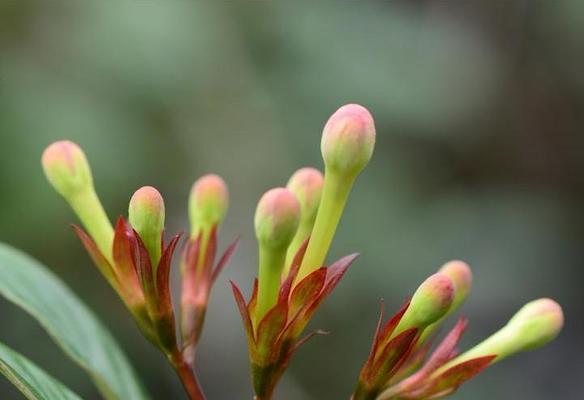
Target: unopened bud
347,144
537,323
66,168
276,221
348,139
306,184
277,217
430,302
461,275
68,171
208,203
146,215
534,325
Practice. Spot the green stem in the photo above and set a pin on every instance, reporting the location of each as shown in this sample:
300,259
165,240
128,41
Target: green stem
88,208
303,232
500,344
271,263
335,192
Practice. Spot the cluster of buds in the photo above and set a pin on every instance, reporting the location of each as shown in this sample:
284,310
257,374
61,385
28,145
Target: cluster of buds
397,367
294,228
135,260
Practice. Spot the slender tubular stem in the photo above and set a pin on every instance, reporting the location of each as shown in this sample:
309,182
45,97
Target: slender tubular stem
334,197
187,376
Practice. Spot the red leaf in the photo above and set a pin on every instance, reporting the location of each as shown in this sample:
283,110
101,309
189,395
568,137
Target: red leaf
224,259
210,252
441,355
123,253
453,378
97,256
163,274
334,274
446,348
144,268
245,317
306,290
287,284
268,332
375,343
251,305
390,326
392,356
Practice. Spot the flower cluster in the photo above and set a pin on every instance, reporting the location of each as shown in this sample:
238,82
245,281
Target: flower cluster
398,367
294,227
136,261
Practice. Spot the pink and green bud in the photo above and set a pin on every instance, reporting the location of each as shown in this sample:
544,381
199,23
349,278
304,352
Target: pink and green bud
146,215
276,221
461,276
430,302
348,140
347,145
306,184
208,203
534,325
68,171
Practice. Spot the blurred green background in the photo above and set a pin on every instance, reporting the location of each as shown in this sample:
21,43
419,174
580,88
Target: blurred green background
479,113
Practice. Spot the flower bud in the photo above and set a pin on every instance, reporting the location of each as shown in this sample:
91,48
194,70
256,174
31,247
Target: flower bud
348,139
461,275
146,215
68,171
306,184
277,217
276,221
347,144
534,325
430,302
66,168
208,203
537,323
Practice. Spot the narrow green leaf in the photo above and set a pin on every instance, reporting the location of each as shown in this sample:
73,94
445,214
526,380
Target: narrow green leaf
33,382
30,285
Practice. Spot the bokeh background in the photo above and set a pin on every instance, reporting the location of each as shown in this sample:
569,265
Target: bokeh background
479,112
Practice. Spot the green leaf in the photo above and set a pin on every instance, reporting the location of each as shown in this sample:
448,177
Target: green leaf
73,326
33,382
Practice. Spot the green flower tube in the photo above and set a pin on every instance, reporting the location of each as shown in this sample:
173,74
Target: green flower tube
461,275
430,302
347,145
306,184
146,215
68,171
276,221
534,325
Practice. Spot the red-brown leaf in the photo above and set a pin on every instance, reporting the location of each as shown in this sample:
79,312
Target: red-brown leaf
224,260
245,317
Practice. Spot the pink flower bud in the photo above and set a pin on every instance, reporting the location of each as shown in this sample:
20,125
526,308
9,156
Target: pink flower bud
537,323
276,218
146,215
66,168
348,139
461,275
208,202
432,300
306,184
